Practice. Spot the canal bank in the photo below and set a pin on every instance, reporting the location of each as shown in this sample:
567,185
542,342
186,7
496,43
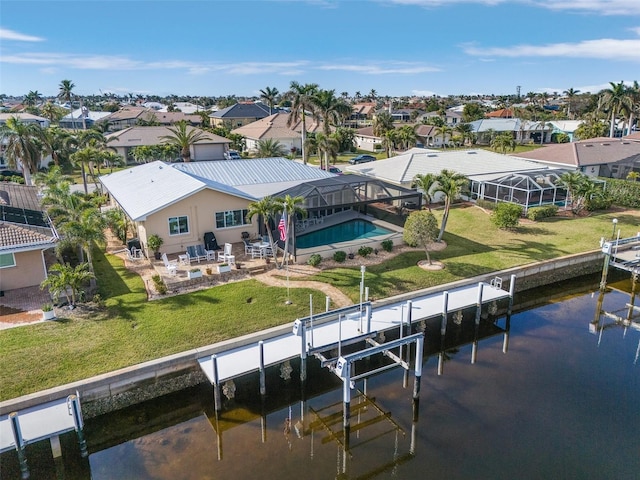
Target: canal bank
115,390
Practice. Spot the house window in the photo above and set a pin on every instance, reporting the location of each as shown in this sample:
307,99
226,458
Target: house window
7,260
178,225
231,218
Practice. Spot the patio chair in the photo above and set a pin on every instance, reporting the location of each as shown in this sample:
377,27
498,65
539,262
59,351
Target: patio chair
206,254
226,255
247,246
171,267
134,254
192,254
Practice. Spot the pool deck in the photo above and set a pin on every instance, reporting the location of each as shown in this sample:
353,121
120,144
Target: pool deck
352,246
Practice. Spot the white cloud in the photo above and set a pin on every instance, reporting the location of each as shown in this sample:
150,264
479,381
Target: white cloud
601,7
6,34
381,68
605,49
423,93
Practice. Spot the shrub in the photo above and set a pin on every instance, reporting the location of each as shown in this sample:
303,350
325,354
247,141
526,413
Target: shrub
601,201
537,213
486,204
365,251
340,256
387,245
161,287
506,215
47,307
624,193
314,260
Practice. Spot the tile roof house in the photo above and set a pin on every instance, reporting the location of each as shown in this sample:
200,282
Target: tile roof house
130,116
183,201
124,141
238,115
25,233
275,127
598,157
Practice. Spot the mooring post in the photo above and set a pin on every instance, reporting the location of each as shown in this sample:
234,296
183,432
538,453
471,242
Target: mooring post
441,356
74,401
303,351
512,292
445,306
505,342
327,303
369,313
311,317
474,345
216,383
346,395
479,303
19,441
263,381
418,367
340,335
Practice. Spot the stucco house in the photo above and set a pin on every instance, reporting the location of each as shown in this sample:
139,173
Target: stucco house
131,115
25,233
275,127
596,157
182,201
124,141
523,131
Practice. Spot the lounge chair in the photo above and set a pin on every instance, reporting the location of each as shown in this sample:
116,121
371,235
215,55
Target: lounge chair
203,253
193,255
171,267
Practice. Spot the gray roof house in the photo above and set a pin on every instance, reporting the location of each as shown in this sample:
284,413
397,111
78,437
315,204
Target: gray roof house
523,131
238,115
597,157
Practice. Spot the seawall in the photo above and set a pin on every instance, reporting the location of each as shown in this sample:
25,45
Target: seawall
121,388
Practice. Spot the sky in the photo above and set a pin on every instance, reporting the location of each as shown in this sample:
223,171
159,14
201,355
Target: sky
395,47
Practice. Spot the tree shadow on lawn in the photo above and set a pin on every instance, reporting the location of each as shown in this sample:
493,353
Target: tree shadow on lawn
533,251
114,279
459,246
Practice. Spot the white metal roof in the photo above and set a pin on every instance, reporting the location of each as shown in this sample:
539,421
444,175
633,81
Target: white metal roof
403,168
147,188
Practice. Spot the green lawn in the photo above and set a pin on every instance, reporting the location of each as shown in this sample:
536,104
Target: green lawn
133,330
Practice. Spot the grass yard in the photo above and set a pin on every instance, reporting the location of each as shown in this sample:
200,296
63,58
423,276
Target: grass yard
132,330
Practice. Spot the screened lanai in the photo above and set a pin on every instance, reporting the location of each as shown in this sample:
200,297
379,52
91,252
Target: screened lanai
529,189
369,196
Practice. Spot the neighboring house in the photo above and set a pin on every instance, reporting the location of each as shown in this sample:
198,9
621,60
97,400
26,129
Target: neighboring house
596,157
82,118
181,202
275,127
366,140
452,117
126,140
567,127
523,131
239,115
501,113
25,233
492,176
430,135
24,118
130,116
362,115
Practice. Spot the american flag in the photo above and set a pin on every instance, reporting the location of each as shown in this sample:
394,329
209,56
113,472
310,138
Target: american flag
282,226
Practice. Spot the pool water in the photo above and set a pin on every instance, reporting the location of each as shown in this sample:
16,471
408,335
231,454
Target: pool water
342,232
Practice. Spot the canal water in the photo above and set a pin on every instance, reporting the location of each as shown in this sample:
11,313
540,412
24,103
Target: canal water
554,392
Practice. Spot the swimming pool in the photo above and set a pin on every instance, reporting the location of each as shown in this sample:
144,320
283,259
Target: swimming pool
342,232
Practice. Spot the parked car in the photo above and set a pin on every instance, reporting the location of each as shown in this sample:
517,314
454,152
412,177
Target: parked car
10,173
334,169
361,159
232,155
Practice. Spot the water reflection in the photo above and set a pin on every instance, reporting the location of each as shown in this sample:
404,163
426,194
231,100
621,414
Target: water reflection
561,404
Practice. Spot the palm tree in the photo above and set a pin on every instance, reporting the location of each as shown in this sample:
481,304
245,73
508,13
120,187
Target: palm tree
466,132
265,209
634,107
327,147
270,95
407,137
503,142
87,230
269,147
184,137
443,131
331,109
63,278
294,208
570,94
615,99
425,183
578,186
22,145
449,183
65,93
85,157
56,143
300,96
382,125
